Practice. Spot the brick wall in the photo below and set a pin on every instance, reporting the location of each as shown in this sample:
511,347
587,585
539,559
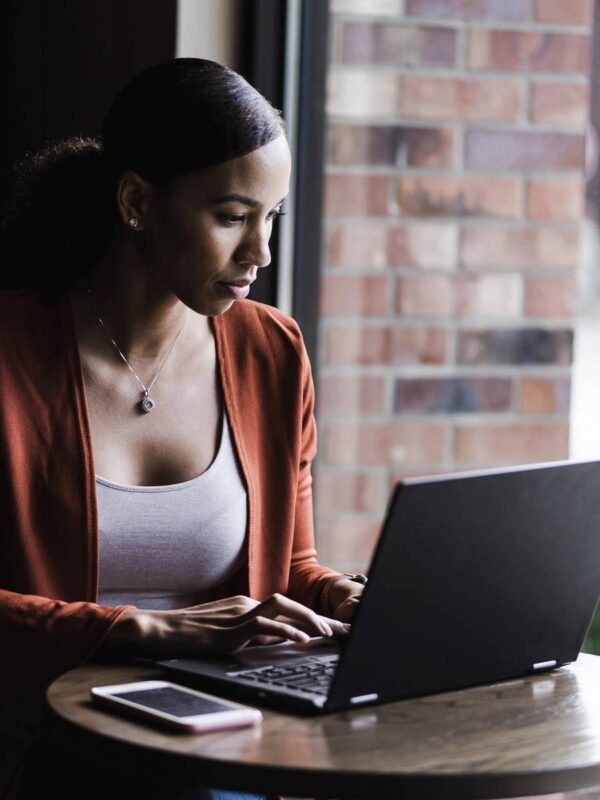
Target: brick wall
454,193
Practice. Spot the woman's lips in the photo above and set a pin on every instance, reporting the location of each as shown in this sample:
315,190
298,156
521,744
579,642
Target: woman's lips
239,289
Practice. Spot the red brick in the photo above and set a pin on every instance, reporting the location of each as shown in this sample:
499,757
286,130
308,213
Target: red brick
423,245
376,43
351,395
364,42
555,199
438,46
459,195
430,147
358,244
488,295
455,395
362,144
463,295
550,297
392,145
385,443
355,344
513,10
487,99
524,150
559,103
385,345
511,444
347,543
568,12
418,345
530,51
343,295
356,194
354,93
370,244
354,491
545,396
426,295
483,247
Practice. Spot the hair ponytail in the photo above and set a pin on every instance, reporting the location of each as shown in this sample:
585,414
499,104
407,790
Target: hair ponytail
58,223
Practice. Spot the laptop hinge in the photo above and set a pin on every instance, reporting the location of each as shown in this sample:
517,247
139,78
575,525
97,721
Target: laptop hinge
363,698
543,665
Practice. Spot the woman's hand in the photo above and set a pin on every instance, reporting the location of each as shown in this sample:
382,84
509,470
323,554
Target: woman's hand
343,598
223,626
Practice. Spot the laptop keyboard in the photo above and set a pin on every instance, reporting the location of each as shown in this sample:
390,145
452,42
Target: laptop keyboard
313,674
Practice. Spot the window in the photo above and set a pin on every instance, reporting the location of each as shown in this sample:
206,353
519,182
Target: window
455,245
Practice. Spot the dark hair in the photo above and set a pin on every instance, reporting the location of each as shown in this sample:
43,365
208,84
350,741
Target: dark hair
177,117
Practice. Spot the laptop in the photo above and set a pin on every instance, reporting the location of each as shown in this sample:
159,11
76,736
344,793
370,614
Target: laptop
477,577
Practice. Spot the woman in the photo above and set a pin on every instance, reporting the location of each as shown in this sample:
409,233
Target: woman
156,427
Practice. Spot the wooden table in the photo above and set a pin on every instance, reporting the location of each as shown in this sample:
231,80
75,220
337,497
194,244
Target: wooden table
536,735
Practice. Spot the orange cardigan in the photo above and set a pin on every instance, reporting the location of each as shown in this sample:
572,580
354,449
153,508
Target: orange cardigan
49,620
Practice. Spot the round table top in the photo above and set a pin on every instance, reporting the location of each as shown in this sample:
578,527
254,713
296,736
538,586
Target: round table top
534,735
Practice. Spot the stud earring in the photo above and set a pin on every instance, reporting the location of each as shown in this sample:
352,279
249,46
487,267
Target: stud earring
134,222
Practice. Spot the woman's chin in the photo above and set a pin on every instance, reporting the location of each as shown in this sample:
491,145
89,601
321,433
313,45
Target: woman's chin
212,309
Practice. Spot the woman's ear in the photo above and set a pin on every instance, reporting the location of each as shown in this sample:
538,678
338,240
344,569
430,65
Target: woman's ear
133,199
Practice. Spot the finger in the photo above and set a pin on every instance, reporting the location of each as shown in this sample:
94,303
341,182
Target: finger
278,604
340,627
241,635
331,624
264,640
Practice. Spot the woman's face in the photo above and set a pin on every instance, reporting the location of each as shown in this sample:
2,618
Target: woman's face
206,234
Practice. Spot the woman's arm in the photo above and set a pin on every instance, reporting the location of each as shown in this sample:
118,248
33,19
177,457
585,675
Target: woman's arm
320,587
40,638
222,626
43,638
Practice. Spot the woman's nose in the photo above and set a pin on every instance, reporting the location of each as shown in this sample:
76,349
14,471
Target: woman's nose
256,248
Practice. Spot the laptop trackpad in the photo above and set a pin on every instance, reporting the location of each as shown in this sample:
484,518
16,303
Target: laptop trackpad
286,651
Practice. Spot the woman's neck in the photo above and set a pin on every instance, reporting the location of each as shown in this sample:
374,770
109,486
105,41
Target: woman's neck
140,314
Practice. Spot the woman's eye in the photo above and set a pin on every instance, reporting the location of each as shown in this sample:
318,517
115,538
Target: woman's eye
237,219
231,219
276,213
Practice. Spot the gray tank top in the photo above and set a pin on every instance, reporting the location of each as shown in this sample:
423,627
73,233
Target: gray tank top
164,547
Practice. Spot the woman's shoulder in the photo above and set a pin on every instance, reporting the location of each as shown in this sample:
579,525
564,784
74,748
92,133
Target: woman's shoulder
259,322
266,350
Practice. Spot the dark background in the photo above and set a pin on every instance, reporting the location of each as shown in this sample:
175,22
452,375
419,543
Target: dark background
63,61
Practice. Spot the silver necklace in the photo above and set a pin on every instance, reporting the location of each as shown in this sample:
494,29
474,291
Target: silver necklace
146,404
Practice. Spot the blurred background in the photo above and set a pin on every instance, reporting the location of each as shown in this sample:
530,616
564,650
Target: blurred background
441,250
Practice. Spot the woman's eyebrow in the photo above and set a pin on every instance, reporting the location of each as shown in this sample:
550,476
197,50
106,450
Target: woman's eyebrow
239,198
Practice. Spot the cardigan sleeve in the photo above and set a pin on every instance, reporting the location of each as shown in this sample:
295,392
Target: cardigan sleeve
41,638
308,580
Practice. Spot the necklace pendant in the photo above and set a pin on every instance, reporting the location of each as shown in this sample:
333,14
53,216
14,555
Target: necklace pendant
147,404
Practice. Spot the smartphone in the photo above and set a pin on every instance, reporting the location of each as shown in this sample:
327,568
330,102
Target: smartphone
177,707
